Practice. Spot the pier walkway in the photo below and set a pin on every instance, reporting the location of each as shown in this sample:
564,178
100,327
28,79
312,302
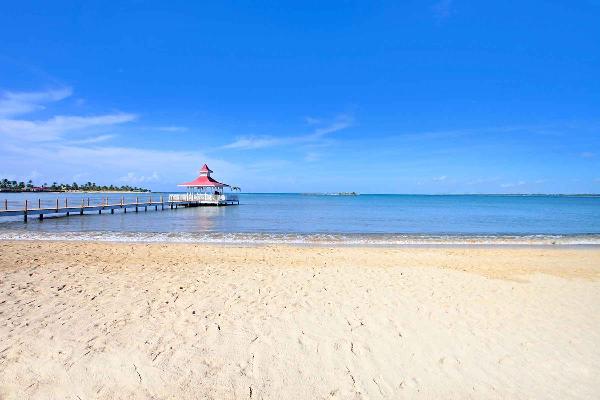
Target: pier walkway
68,206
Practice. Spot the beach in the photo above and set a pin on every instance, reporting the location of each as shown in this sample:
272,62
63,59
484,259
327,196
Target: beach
82,320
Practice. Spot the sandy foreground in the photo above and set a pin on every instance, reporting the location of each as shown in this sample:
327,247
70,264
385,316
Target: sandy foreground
180,321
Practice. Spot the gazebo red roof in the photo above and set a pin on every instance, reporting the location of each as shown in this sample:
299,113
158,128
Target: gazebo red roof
204,179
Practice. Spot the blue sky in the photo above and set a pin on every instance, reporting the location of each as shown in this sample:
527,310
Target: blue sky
443,96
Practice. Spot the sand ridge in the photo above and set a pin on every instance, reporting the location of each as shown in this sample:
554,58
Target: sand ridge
101,320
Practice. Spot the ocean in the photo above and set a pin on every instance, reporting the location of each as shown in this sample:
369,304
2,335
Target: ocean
327,219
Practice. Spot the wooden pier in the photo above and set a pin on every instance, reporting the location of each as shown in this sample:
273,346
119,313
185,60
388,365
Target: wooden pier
66,206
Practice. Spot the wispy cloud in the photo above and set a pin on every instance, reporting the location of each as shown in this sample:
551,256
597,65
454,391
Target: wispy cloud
513,184
481,181
134,178
552,129
312,120
55,127
259,142
440,178
60,161
312,156
172,128
17,103
31,130
255,142
587,154
69,146
94,139
442,9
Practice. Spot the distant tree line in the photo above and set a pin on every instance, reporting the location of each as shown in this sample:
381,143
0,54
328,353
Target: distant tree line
14,186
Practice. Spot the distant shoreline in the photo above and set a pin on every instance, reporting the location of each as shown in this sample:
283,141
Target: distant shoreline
341,194
74,191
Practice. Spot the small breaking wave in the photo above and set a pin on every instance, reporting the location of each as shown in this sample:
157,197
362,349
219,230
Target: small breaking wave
304,239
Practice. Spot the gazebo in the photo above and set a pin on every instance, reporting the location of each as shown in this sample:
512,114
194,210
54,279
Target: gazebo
206,190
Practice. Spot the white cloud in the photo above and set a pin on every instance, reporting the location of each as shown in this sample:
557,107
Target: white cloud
24,129
106,164
70,147
587,154
17,103
440,178
133,178
259,142
55,127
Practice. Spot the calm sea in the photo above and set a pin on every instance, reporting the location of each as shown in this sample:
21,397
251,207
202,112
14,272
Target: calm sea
298,218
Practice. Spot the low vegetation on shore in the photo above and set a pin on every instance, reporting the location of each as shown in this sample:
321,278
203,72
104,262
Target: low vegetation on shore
14,186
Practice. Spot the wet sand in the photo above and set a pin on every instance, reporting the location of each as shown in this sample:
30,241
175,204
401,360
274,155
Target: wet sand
103,320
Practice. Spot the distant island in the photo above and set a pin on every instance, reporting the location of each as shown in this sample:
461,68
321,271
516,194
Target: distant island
332,194
18,187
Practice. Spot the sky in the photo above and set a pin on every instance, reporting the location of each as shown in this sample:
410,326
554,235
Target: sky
435,97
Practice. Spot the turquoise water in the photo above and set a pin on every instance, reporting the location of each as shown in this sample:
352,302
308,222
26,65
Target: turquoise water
325,218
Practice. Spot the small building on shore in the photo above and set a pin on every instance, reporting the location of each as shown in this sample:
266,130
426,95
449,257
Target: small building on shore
205,190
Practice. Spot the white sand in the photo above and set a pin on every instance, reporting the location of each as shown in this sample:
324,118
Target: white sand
175,321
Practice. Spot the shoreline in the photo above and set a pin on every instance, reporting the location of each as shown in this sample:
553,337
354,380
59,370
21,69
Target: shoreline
315,239
242,244
77,191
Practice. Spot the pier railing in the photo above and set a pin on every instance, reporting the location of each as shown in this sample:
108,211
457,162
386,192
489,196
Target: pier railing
81,205
203,197
78,202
